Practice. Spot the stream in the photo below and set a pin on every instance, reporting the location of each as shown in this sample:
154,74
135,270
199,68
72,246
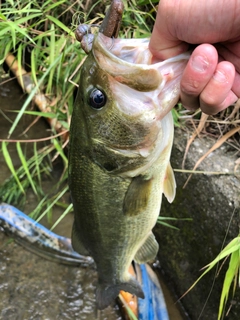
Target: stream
30,286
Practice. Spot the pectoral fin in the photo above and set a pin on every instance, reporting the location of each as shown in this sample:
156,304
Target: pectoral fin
137,196
169,185
148,250
77,244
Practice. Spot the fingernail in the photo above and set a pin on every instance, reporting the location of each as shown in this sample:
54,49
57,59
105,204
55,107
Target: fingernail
219,76
200,63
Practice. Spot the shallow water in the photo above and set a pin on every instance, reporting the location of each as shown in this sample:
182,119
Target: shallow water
32,287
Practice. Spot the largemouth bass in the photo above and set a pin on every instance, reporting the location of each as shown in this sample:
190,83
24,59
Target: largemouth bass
120,143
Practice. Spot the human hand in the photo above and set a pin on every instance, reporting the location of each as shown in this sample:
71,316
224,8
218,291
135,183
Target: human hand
211,79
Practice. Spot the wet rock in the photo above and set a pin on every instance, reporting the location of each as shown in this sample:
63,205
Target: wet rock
33,288
212,201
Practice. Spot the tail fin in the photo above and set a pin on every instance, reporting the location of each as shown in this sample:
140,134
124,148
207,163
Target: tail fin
106,294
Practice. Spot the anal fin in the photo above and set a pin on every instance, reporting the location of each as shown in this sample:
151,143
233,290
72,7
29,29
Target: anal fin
148,250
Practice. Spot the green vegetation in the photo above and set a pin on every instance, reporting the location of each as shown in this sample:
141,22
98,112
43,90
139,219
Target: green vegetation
162,220
232,275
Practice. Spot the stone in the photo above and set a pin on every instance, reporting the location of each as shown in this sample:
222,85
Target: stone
212,201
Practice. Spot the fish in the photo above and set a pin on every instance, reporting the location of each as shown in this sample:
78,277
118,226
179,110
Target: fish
121,137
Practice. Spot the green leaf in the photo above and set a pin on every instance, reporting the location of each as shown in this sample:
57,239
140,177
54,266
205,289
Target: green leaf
232,247
3,17
61,25
9,163
36,163
51,60
49,115
31,95
63,215
162,220
33,66
27,18
144,2
53,5
49,207
59,149
131,315
231,273
25,166
168,225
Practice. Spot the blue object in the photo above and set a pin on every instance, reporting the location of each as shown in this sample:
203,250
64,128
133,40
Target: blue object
153,307
39,239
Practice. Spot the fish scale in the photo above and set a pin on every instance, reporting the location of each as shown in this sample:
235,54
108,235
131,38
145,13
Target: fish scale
120,143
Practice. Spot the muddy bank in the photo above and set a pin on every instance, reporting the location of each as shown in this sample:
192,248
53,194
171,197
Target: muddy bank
211,201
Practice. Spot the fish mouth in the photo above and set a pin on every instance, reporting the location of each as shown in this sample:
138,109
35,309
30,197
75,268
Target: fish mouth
129,63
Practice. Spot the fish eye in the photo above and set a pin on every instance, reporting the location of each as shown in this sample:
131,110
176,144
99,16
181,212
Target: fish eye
97,99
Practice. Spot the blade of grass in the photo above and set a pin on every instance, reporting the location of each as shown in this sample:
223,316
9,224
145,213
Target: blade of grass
130,313
34,214
36,163
38,113
61,25
229,249
60,151
19,59
25,166
162,220
69,209
165,224
52,203
51,59
31,96
33,66
232,272
52,5
9,163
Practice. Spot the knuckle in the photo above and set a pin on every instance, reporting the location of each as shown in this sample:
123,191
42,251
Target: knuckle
191,87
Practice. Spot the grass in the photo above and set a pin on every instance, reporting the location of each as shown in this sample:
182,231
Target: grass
231,252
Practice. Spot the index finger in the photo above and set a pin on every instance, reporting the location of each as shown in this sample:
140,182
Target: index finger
163,44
